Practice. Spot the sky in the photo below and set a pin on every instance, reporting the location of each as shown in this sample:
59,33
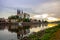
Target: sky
32,7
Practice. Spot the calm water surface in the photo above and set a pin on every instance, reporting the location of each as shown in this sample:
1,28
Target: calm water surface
15,32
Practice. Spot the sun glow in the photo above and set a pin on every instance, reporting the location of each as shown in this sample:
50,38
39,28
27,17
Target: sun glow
37,16
51,19
40,16
44,15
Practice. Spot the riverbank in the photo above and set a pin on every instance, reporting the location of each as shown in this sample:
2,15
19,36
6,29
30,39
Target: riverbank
8,23
45,34
56,35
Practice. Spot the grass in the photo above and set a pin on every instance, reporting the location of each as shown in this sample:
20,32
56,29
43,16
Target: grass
45,35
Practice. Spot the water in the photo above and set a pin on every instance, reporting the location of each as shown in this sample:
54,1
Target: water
16,32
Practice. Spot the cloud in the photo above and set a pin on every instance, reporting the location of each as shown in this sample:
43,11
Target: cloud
51,8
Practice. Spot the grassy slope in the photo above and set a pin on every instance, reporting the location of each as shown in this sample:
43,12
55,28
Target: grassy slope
47,34
55,35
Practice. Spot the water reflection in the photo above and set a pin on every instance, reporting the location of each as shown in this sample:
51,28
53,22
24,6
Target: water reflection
14,32
51,25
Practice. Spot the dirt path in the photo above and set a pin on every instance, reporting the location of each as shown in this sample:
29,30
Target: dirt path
56,35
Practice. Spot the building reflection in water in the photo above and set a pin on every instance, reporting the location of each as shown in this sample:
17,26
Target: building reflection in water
2,27
24,31
21,31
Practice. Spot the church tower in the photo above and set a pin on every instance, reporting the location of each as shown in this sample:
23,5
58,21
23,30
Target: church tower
18,12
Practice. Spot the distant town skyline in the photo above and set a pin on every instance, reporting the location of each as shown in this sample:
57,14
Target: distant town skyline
32,7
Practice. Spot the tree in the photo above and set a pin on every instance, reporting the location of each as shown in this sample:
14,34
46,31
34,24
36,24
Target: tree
13,17
26,20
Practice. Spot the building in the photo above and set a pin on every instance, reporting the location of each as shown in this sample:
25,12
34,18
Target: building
13,20
19,17
26,15
22,15
2,20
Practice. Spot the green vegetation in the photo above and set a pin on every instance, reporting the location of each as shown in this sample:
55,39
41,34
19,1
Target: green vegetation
19,19
26,20
13,17
47,34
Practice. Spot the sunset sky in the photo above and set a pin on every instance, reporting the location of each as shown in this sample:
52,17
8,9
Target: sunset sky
33,7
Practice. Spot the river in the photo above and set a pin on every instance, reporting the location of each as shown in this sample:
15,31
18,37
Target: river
16,32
